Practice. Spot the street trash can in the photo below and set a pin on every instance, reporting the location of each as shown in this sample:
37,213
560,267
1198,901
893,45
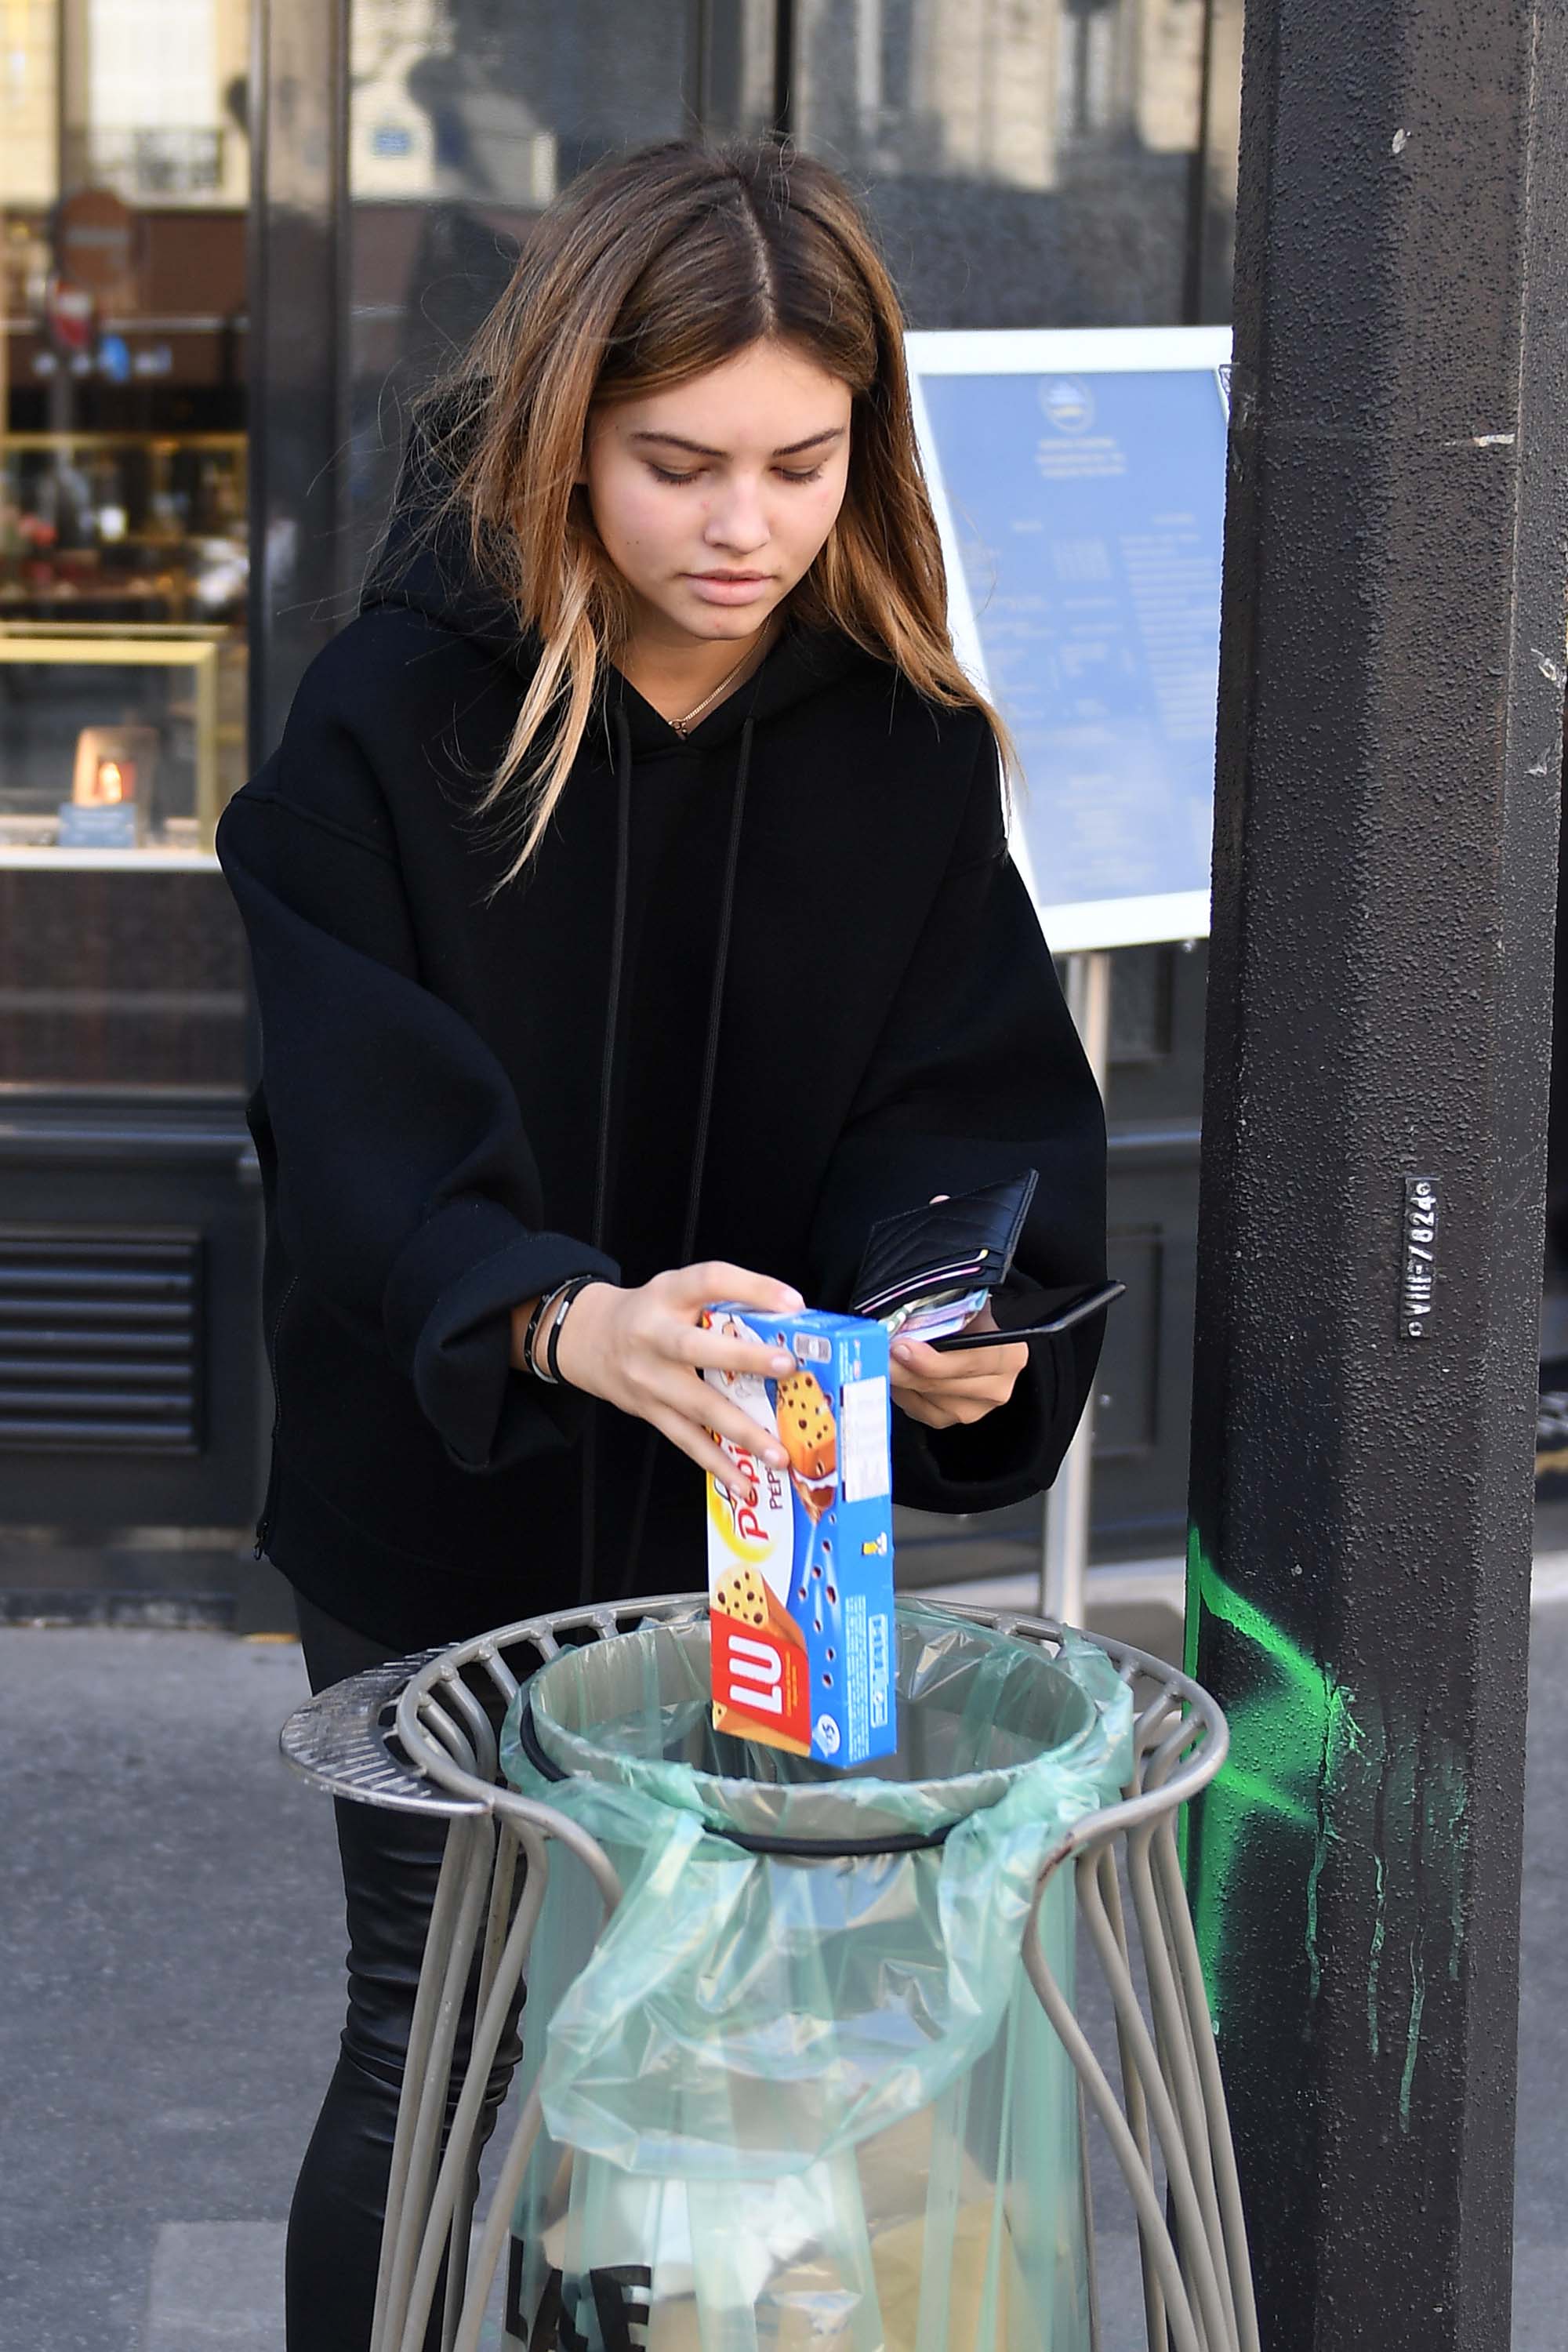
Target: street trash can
802,2062
801,2091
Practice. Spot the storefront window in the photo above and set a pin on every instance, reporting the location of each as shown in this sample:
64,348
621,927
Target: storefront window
124,188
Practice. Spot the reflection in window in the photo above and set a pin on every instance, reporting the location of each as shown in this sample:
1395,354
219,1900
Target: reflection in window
29,105
466,120
1086,92
1028,161
156,127
1052,138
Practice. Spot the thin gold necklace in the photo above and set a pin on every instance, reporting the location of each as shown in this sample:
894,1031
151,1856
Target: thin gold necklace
683,726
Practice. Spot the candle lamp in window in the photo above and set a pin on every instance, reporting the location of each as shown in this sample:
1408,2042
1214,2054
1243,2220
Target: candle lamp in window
112,780
113,769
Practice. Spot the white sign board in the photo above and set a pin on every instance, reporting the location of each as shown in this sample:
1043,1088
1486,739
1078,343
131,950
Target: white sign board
1079,482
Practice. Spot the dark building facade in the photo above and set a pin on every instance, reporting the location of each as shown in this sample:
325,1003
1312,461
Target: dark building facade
222,287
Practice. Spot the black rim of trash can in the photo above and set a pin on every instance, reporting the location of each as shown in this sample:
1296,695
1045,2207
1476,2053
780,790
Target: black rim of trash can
810,1850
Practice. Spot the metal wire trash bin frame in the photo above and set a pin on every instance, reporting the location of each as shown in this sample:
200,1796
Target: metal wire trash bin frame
420,1733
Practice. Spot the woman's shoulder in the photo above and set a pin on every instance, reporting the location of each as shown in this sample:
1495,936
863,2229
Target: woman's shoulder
370,715
940,736
946,768
332,768
388,665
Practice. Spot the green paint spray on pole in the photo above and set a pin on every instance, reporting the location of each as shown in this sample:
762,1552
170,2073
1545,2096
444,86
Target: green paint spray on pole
1324,1788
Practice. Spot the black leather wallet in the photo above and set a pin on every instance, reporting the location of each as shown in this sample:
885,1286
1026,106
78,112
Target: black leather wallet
966,1243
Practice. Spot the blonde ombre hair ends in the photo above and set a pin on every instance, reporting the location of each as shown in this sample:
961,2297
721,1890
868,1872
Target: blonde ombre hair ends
648,270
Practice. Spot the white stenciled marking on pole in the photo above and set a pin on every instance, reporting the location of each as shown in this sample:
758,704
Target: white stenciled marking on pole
1418,1268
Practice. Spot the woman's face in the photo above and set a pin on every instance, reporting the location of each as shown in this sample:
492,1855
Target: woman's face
740,471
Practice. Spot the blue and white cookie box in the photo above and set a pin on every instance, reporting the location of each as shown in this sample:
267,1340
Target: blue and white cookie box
801,1583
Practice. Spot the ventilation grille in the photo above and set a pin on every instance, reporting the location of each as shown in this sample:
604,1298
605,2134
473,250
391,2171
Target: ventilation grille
100,1340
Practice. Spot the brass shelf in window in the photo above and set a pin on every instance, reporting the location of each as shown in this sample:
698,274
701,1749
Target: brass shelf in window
97,438
146,646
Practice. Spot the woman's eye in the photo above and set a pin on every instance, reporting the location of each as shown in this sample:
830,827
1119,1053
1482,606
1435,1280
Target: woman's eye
662,474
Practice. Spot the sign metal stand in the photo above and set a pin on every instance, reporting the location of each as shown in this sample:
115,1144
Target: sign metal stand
1064,1560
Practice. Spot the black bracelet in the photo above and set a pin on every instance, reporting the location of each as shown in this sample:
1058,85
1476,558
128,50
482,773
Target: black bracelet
548,1301
564,1298
532,1327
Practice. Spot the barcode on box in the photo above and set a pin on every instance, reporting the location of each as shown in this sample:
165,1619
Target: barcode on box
877,1661
867,1472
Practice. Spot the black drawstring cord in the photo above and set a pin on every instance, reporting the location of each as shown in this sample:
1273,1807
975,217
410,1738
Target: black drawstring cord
607,1104
700,1147
716,1000
617,959
704,1119
704,1116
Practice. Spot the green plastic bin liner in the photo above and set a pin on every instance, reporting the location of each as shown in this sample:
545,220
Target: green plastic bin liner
800,2092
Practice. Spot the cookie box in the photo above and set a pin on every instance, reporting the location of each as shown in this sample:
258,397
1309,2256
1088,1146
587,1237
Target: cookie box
800,1583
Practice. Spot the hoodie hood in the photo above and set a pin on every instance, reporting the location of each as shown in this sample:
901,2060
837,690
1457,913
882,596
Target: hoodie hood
425,564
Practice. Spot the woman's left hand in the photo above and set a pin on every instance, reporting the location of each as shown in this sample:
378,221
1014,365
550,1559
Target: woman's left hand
949,1391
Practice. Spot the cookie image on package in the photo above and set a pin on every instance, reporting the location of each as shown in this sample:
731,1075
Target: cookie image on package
743,1594
806,1428
746,1595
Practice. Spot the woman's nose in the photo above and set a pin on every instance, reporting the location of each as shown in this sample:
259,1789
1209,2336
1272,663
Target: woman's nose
737,520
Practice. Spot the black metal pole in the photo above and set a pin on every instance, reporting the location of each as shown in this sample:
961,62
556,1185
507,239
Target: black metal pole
299,262
1378,1038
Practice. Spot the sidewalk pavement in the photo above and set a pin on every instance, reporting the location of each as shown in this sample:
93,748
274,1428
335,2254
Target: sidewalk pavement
172,1947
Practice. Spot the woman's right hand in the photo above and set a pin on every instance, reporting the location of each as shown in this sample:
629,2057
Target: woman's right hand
644,1351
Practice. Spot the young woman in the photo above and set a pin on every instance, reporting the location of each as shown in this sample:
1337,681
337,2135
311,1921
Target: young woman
628,899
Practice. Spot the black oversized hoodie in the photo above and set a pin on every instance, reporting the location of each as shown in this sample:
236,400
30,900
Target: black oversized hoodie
759,986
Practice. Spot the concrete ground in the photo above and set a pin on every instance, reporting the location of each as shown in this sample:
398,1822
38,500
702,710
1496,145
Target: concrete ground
171,1943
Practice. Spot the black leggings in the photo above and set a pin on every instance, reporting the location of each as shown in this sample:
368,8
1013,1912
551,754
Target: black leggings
391,1862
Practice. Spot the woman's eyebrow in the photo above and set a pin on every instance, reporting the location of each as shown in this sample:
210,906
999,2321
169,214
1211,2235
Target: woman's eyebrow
676,441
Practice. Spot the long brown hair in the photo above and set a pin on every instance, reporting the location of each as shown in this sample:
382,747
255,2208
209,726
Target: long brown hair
649,269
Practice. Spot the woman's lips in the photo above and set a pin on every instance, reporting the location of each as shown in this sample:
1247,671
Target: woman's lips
717,591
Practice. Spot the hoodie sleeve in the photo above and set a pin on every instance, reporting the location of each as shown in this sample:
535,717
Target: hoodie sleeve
979,1074
406,1192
